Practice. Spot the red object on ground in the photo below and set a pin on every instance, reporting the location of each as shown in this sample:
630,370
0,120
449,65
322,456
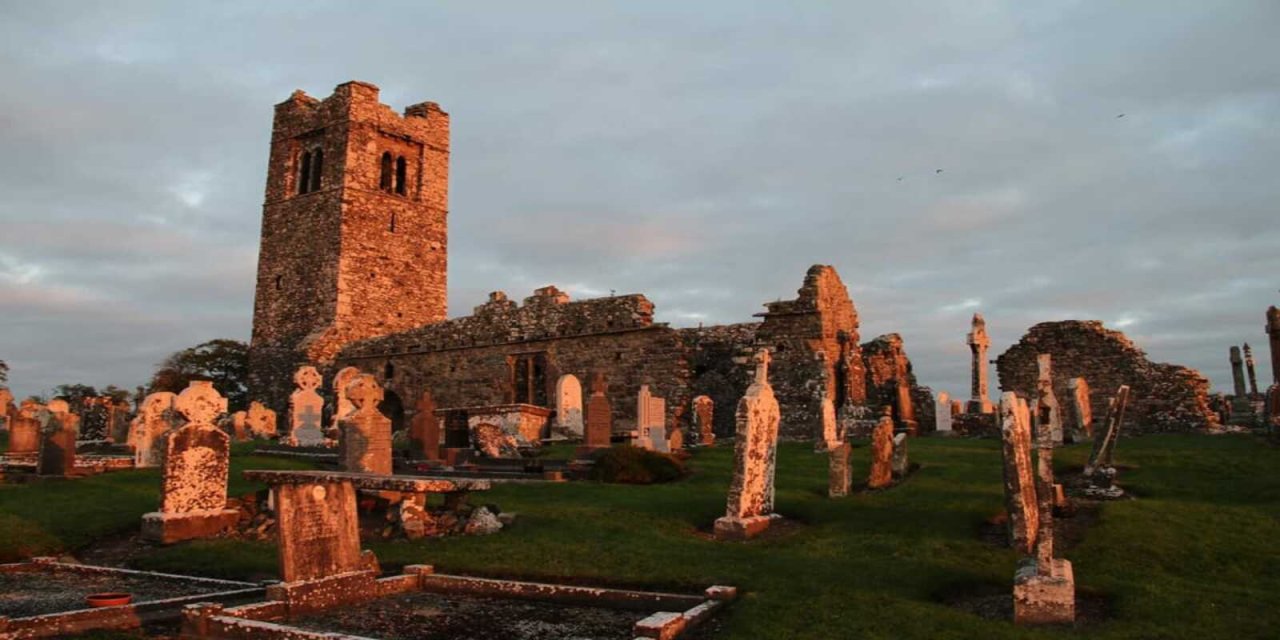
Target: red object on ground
108,599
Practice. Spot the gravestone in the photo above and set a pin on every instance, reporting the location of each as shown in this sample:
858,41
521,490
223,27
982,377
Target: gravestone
146,433
1081,410
750,501
197,457
957,408
260,420
599,415
676,441
305,407
239,427
651,421
7,409
58,430
942,413
1044,586
424,430
703,414
24,433
1100,471
569,405
900,463
364,435
341,404
906,411
117,419
1273,407
881,474
1019,478
319,536
829,438
839,475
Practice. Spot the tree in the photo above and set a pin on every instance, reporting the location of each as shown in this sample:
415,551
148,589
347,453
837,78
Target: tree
4,372
75,394
224,362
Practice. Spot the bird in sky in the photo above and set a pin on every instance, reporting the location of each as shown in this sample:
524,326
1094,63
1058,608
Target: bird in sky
1120,116
938,171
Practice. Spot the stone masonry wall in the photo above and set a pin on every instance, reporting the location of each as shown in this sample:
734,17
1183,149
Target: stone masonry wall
1163,397
886,361
717,361
469,361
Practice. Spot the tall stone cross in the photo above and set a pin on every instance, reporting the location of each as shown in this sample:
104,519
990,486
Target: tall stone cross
1237,372
1249,370
978,344
1273,332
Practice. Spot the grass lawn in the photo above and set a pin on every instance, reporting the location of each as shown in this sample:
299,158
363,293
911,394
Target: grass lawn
1193,557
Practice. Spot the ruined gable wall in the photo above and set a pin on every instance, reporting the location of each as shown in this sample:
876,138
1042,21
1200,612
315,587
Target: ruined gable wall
821,320
1163,397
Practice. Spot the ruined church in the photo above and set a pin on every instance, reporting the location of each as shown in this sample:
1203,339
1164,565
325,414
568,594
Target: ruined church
353,272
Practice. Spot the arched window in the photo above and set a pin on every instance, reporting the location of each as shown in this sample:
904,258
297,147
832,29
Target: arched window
304,173
317,165
384,179
392,227
400,172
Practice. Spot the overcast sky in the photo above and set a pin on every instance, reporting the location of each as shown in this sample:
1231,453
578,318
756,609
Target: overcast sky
945,158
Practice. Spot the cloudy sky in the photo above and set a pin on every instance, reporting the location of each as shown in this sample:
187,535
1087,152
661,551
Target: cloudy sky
704,154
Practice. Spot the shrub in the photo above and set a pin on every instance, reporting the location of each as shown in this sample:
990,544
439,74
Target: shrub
633,465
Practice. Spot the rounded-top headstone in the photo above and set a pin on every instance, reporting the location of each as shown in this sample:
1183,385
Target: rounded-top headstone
201,403
307,378
157,403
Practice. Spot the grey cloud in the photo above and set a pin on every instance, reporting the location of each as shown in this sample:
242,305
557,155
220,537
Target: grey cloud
703,154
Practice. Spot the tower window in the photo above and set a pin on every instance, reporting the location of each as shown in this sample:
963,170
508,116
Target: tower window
389,371
400,175
384,177
392,227
304,173
279,279
317,165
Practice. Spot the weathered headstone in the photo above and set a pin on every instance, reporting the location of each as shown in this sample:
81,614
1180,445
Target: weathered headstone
197,457
569,405
7,409
1019,477
146,433
1100,471
1273,407
364,440
1081,410
1044,586
651,421
957,408
424,430
1237,371
881,474
318,529
703,415
1273,333
117,419
58,430
830,436
599,415
942,413
239,426
750,501
905,410
675,442
978,344
260,420
305,407
1250,371
1048,414
839,475
901,465
24,433
341,404
493,441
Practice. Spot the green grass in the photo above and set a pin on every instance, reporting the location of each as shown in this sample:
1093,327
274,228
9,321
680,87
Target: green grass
1194,557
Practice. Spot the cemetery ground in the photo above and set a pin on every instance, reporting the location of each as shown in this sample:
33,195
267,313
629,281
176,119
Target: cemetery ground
1193,556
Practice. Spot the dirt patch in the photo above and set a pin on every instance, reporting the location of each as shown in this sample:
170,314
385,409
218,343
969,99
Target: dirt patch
1070,524
435,616
114,551
32,593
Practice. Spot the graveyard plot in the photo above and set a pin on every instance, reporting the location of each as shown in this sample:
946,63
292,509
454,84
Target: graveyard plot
44,598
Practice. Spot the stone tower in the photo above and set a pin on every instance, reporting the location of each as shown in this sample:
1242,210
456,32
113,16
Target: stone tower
354,230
